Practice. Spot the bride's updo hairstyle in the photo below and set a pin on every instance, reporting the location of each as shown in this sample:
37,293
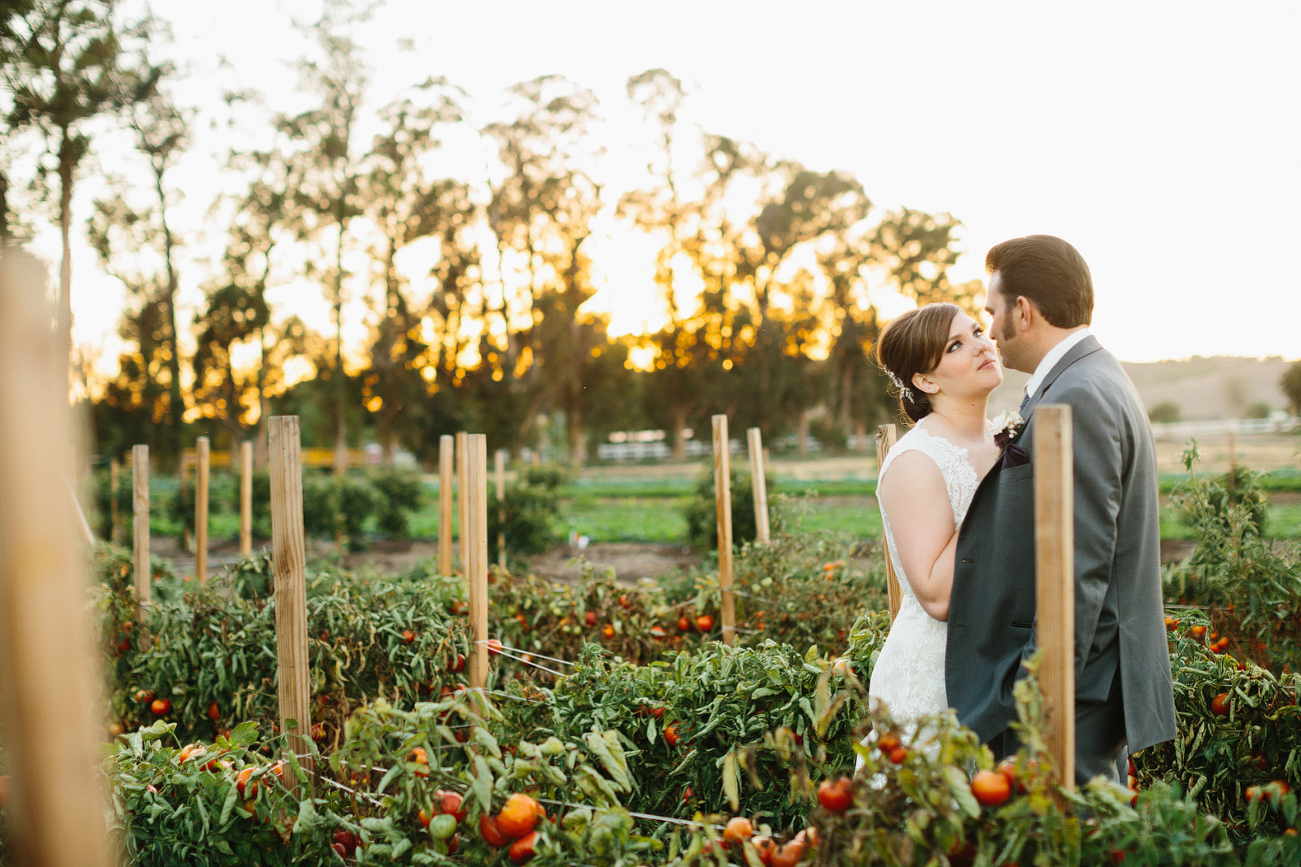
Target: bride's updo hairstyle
913,342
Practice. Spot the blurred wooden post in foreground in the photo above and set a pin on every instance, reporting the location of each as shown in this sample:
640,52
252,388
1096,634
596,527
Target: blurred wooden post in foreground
886,437
114,477
49,716
474,536
758,485
290,565
445,504
245,499
723,509
1054,542
461,482
140,526
500,460
201,510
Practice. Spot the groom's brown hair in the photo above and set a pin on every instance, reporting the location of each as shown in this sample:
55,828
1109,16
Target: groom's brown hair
1050,273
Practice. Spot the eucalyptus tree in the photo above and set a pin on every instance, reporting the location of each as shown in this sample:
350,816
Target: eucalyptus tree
917,249
321,143
541,212
405,204
683,360
65,66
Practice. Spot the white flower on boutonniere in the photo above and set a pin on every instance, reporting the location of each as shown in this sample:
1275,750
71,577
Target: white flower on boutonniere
1006,427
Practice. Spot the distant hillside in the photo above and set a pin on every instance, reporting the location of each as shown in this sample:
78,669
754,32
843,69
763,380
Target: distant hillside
1203,388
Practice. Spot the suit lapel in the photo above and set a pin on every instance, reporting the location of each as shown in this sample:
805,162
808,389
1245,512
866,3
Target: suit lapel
1085,347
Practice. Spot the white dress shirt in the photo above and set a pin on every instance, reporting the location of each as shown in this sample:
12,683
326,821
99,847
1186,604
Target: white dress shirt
1054,355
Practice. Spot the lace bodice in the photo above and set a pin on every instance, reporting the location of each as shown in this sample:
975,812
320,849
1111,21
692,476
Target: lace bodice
909,673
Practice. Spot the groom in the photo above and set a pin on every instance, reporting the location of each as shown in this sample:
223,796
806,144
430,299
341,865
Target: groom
1040,298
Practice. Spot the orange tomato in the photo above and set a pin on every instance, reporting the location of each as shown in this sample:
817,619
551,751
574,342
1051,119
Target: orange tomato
161,706
1220,704
519,815
705,623
738,828
671,736
242,784
408,636
898,755
788,854
684,625
607,630
990,788
765,847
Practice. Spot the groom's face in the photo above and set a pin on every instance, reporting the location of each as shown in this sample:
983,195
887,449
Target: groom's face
1003,324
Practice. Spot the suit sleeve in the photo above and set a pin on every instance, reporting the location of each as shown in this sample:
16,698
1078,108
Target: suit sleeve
1099,455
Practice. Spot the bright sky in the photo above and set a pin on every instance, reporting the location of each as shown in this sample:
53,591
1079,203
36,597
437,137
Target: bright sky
1160,139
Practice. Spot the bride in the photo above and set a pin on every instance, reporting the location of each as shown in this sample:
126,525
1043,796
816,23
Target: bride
945,368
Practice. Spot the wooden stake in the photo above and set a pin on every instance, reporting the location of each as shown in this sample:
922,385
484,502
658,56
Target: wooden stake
461,482
475,538
500,460
723,509
114,531
245,499
201,511
1054,534
49,684
886,436
290,564
143,573
445,458
759,485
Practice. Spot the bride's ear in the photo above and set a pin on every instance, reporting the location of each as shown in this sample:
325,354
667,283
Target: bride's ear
924,383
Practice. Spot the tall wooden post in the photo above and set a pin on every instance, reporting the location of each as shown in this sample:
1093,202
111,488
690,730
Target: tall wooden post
445,458
759,485
723,509
201,510
461,482
140,524
114,474
290,565
886,437
499,458
49,713
475,538
1054,536
245,498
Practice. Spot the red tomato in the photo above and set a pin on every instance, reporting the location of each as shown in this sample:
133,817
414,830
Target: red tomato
684,625
491,833
990,788
671,736
835,796
705,623
408,636
450,803
590,618
519,815
161,706
524,848
214,712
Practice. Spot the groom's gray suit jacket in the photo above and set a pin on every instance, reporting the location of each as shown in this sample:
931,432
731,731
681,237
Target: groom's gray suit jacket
1119,615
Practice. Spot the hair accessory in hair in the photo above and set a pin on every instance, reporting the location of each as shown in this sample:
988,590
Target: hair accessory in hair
898,383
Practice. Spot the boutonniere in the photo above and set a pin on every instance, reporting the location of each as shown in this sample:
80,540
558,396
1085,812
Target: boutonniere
1006,428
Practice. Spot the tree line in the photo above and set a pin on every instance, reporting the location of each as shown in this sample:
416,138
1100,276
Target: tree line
767,272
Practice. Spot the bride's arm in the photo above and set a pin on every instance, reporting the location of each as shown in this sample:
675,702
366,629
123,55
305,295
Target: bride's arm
921,520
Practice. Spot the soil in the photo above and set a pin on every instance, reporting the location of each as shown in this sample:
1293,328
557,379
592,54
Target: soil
630,561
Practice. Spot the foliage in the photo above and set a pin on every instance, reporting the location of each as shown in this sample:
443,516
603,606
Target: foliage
527,512
702,511
1291,385
1251,591
1165,412
400,493
1239,725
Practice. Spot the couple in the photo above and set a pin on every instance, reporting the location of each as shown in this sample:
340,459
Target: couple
958,515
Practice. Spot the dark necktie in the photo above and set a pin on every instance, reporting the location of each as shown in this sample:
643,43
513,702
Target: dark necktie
1024,401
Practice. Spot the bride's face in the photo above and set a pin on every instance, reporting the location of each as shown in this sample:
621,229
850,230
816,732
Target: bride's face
969,363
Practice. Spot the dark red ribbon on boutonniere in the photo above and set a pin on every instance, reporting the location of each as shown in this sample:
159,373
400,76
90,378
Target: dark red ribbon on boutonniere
1007,428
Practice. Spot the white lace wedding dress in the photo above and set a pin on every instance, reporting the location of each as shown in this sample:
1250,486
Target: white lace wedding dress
909,672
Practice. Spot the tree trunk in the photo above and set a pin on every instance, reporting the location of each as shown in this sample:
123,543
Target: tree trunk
67,162
341,389
803,437
176,404
679,439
